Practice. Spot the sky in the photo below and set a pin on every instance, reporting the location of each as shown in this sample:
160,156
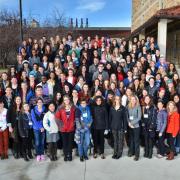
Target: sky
101,13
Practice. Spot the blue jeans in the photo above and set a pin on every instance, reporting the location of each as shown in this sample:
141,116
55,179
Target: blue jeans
39,141
84,145
177,143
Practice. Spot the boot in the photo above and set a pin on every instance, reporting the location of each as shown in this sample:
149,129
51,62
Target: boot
30,156
170,156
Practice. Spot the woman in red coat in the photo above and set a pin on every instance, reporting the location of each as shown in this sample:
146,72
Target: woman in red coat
172,128
65,117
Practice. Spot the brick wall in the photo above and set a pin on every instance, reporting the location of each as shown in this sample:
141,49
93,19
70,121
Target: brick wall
145,9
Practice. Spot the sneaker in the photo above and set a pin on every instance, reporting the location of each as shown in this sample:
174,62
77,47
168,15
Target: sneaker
38,158
159,156
42,157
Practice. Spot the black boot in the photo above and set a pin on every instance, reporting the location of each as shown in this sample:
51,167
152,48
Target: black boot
26,158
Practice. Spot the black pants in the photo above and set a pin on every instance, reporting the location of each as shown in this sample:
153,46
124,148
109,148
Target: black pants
134,147
171,141
118,142
160,144
26,146
148,142
52,149
98,139
67,139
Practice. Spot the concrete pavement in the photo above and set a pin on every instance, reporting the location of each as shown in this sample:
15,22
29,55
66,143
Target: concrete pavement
96,169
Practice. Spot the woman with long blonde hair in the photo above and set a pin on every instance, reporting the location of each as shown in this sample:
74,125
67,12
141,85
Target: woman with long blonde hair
134,116
172,128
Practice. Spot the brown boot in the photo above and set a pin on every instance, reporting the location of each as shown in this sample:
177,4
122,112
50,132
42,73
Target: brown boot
170,156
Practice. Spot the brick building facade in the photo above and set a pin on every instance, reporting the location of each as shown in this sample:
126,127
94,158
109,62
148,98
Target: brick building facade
159,18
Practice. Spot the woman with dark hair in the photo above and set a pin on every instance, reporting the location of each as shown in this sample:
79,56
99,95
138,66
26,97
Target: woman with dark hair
161,123
51,128
13,116
85,93
149,125
118,123
37,115
57,99
171,70
65,117
100,125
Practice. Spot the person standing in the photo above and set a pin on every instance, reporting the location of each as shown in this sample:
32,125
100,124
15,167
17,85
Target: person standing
99,125
13,116
65,118
51,128
172,128
26,132
149,125
134,117
83,125
4,136
37,114
161,123
118,125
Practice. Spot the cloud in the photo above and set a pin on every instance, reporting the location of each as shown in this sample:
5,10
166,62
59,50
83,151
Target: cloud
92,6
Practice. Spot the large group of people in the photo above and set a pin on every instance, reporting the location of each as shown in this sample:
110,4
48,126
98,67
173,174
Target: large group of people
72,94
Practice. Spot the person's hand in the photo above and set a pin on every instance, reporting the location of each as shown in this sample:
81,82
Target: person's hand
160,134
106,132
10,129
1,130
42,129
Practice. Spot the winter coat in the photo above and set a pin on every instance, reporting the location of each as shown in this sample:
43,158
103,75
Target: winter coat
173,124
100,117
118,118
49,122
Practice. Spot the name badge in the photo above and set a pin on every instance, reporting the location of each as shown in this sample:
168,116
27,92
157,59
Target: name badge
30,123
85,115
145,115
131,117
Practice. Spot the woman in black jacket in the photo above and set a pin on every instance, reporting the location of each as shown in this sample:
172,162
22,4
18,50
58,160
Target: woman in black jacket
118,123
100,125
26,132
149,125
13,116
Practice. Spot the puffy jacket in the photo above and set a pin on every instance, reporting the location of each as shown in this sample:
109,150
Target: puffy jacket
49,122
37,117
66,124
100,117
173,124
118,118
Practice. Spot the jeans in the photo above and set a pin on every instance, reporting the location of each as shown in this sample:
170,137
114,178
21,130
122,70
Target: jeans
118,142
177,143
39,141
134,147
84,145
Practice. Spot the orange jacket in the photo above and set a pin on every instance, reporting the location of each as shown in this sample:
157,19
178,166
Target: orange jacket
173,124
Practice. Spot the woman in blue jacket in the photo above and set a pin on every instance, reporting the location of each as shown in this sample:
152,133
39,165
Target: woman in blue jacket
37,115
83,124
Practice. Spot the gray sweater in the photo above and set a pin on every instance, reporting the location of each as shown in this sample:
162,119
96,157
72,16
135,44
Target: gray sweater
134,116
